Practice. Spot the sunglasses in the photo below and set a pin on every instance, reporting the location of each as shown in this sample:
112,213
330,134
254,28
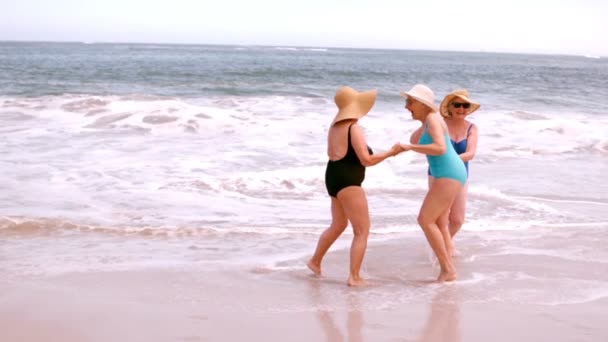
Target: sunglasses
460,104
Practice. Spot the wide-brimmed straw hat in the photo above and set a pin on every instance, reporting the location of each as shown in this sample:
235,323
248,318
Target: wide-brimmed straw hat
462,94
423,94
353,104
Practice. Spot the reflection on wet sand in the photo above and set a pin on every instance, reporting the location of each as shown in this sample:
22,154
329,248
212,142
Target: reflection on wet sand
331,303
326,313
443,322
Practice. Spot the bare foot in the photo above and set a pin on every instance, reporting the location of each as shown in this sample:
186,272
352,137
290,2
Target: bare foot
446,276
316,269
355,282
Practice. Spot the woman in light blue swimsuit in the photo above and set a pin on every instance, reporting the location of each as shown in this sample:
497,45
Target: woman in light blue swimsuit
448,170
455,107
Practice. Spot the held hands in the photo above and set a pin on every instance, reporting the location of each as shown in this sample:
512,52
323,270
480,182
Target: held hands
395,150
405,147
398,148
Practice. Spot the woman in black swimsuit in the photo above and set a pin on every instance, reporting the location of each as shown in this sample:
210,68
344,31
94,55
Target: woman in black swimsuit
348,156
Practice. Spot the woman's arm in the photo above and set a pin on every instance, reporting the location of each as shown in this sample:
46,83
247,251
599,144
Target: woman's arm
469,154
435,129
360,146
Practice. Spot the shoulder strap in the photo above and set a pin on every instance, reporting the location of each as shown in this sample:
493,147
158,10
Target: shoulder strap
469,129
348,142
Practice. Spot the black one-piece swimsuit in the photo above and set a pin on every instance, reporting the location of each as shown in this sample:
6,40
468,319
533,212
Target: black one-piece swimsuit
345,172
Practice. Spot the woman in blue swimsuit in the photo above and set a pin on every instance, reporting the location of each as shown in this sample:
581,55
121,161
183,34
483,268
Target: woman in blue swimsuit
455,107
448,170
348,156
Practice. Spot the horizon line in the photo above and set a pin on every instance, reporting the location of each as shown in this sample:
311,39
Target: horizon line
86,42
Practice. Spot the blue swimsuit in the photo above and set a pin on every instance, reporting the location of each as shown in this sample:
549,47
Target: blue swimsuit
461,146
447,165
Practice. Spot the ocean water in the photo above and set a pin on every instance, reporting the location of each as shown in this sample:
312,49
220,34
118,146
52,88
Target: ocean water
128,156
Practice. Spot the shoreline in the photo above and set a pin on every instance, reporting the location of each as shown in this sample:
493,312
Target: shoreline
242,304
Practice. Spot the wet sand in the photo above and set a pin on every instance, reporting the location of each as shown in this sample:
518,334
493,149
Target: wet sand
401,303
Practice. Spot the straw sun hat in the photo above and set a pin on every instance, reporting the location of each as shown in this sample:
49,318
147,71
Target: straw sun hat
421,93
353,104
462,94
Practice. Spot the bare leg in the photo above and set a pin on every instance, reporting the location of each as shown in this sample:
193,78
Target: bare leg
329,236
442,223
354,202
457,212
437,201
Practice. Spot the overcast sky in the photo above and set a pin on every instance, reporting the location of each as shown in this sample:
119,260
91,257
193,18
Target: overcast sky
530,26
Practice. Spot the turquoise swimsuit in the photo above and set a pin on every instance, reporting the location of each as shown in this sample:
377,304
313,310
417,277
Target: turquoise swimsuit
447,165
460,147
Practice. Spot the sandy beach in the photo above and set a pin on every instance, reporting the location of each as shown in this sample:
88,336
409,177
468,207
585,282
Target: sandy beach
400,304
